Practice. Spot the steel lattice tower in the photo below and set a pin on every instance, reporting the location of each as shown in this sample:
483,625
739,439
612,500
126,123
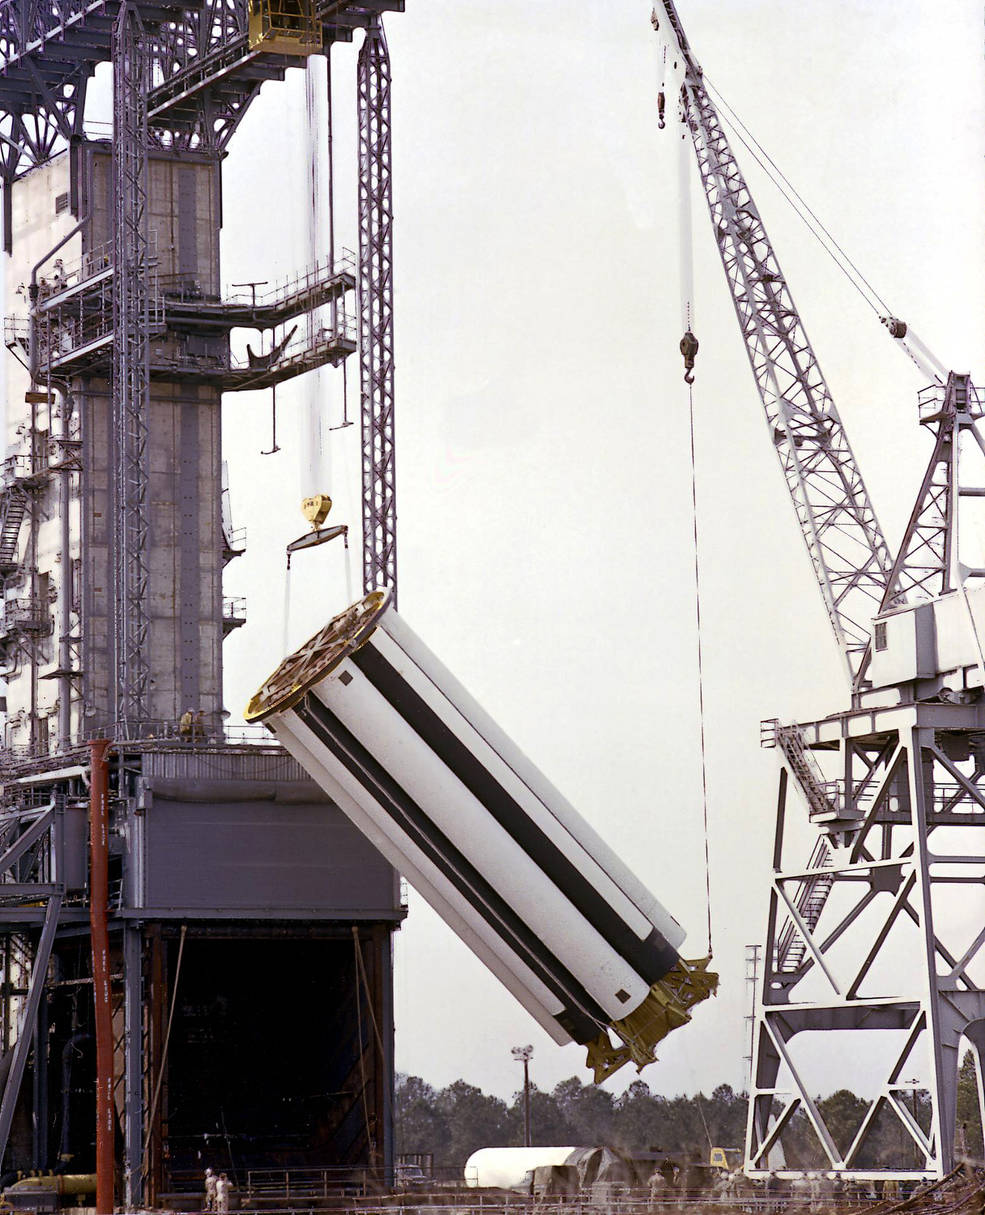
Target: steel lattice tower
131,373
376,315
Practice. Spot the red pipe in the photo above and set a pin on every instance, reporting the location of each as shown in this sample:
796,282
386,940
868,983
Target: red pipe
99,932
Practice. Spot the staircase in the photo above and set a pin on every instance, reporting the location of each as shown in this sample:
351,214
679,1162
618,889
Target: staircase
812,894
13,506
806,772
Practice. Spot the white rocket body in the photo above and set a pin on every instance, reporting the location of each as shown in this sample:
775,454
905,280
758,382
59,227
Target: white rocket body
451,802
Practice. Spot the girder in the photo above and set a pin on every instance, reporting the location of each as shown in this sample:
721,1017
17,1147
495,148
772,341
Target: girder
850,557
849,554
202,77
131,365
877,932
925,562
376,316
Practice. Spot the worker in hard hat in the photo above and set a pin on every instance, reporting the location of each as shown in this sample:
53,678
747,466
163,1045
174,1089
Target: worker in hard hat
222,1194
210,1190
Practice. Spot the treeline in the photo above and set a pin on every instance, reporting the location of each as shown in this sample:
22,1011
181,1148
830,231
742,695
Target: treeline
453,1122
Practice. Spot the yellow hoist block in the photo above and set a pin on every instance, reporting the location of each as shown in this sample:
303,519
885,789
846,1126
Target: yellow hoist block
284,27
315,509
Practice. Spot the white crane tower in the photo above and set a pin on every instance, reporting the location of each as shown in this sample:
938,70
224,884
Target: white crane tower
872,966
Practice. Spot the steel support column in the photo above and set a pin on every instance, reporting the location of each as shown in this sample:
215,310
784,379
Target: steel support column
101,995
131,366
877,932
376,315
133,1028
384,940
28,1019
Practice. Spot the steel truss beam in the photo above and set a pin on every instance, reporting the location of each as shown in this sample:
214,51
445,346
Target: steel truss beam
376,315
206,74
29,862
892,943
131,367
837,521
925,563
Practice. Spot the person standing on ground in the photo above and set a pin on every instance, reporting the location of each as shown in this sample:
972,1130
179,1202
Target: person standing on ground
222,1194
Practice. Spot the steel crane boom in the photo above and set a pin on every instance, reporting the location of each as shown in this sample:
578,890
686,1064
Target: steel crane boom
851,560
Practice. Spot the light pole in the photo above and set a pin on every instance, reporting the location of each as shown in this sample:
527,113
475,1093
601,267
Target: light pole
523,1054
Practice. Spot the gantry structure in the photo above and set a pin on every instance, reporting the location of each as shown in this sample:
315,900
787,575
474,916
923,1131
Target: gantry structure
183,79
114,531
872,968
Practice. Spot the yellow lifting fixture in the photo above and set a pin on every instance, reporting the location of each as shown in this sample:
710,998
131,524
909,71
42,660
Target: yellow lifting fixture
315,509
284,27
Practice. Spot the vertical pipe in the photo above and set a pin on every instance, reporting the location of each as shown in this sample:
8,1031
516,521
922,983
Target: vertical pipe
331,179
99,929
34,606
65,598
133,1171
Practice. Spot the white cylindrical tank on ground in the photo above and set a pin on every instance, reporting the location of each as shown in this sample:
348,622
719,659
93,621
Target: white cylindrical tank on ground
450,801
505,1167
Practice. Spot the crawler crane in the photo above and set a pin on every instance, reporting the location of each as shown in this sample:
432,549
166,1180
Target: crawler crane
865,942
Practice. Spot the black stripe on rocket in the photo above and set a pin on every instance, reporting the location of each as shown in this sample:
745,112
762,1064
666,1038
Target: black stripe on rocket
581,1016
651,957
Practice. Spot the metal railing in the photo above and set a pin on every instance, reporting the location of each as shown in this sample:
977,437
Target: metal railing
51,452
806,770
303,343
930,401
234,539
158,735
25,615
234,607
296,284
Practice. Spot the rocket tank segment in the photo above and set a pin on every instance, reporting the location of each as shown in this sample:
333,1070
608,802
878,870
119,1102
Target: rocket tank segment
450,801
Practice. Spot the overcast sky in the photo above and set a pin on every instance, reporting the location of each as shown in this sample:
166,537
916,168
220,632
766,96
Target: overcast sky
544,483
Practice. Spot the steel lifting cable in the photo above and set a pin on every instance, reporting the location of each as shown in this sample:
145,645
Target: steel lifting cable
312,455
700,656
800,206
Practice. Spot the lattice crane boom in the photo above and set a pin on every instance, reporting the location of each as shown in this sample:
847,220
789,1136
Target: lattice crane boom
851,560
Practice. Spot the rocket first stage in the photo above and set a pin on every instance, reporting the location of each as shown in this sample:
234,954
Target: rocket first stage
449,800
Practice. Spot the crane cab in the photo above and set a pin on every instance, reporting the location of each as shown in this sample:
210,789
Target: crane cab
284,27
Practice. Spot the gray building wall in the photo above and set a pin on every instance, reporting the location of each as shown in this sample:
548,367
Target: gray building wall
185,558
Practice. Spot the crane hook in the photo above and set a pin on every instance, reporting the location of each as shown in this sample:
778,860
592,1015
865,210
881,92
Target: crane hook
661,108
689,349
